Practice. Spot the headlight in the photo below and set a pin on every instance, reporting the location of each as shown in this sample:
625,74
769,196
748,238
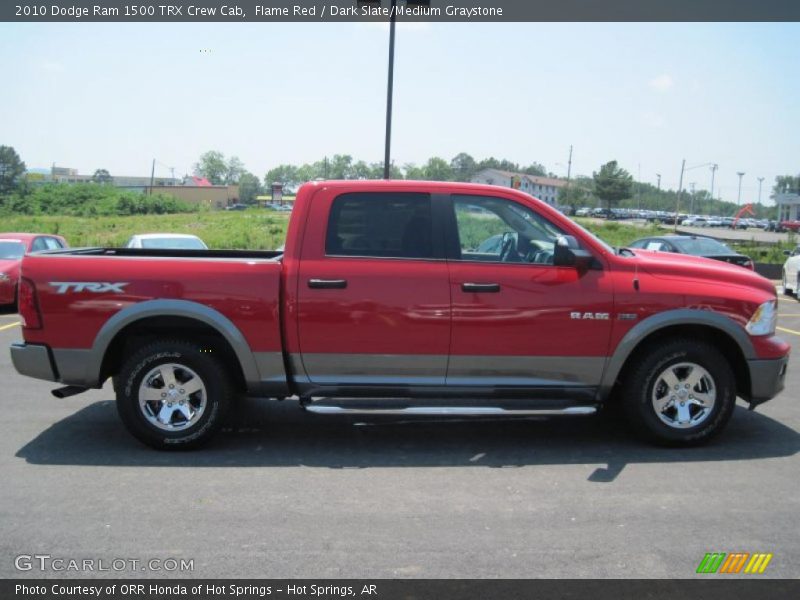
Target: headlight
764,319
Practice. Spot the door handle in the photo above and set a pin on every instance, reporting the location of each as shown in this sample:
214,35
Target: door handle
485,288
327,284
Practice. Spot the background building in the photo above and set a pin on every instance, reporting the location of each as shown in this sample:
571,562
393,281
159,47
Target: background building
543,188
788,204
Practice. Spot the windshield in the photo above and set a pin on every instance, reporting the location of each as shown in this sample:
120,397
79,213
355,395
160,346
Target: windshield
174,243
10,250
702,246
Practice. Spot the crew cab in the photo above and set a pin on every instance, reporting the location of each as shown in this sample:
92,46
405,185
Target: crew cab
387,299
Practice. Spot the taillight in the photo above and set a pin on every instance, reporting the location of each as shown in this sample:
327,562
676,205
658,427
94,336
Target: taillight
28,305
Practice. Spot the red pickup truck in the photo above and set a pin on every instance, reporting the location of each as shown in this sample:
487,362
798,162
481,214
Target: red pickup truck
406,297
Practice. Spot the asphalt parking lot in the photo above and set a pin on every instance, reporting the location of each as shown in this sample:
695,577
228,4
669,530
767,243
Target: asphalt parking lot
285,494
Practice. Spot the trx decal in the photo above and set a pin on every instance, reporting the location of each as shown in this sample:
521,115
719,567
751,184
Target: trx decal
96,287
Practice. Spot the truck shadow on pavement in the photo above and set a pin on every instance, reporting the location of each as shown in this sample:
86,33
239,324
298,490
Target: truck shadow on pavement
283,435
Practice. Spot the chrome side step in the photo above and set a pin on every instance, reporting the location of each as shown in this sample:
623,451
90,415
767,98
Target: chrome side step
462,411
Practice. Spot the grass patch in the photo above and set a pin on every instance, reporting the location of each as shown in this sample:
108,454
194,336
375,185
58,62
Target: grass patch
252,229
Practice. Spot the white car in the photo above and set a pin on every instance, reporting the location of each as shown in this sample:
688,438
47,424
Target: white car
694,222
791,272
172,241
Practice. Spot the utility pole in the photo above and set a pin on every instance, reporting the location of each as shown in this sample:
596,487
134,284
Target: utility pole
739,197
658,198
152,177
569,165
691,208
714,168
389,89
678,197
760,181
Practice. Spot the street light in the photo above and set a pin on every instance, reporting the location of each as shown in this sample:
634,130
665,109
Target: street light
739,197
680,189
714,168
760,181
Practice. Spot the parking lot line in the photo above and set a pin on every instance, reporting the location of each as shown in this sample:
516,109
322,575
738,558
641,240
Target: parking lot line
10,325
788,330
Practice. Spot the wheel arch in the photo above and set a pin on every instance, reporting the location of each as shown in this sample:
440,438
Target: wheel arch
724,333
171,318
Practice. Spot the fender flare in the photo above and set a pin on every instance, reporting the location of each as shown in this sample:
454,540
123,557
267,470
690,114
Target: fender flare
681,316
173,308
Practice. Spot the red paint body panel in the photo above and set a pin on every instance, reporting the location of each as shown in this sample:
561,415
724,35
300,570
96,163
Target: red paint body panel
404,306
246,292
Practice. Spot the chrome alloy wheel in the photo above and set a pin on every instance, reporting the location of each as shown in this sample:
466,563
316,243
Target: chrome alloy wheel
172,397
684,395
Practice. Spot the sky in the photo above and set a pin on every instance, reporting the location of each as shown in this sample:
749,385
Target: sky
116,96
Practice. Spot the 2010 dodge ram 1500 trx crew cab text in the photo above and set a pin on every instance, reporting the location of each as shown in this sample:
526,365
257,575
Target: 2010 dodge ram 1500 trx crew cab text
406,298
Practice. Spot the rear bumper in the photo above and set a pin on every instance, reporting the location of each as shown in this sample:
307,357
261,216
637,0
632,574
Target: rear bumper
34,361
767,378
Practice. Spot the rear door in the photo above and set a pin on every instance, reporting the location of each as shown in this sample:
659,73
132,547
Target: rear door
373,291
518,320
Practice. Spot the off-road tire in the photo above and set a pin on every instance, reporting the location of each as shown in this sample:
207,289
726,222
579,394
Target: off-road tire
182,356
638,392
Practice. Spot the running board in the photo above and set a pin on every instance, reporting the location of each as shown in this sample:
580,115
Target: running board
465,411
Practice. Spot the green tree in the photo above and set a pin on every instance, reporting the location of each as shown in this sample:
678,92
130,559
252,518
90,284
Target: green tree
11,169
463,166
102,176
249,187
285,174
213,167
535,169
234,170
437,169
785,184
612,183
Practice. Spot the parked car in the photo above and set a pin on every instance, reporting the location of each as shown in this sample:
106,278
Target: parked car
696,246
789,226
236,207
791,272
583,212
694,222
13,246
164,241
381,304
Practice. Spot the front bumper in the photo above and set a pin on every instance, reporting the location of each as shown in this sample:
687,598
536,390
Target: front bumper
34,361
767,378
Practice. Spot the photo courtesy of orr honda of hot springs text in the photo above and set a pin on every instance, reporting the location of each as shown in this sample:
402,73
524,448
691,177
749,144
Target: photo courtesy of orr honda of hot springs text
402,297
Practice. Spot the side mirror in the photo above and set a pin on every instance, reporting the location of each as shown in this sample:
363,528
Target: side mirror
568,253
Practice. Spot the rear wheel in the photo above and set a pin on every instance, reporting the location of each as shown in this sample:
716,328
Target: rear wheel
683,393
173,395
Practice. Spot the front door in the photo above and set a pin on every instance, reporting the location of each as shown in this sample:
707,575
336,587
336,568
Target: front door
373,293
518,320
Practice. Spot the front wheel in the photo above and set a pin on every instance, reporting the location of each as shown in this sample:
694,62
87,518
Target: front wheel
683,393
173,394
786,290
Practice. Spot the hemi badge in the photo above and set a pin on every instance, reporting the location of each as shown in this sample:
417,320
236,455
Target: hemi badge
628,316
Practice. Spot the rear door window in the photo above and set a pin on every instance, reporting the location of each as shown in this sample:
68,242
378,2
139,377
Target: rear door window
382,225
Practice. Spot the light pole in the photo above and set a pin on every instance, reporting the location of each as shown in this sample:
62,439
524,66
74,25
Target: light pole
714,168
691,208
389,90
739,197
760,181
658,175
680,189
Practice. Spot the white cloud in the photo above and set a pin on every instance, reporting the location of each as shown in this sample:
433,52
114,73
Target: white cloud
662,83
